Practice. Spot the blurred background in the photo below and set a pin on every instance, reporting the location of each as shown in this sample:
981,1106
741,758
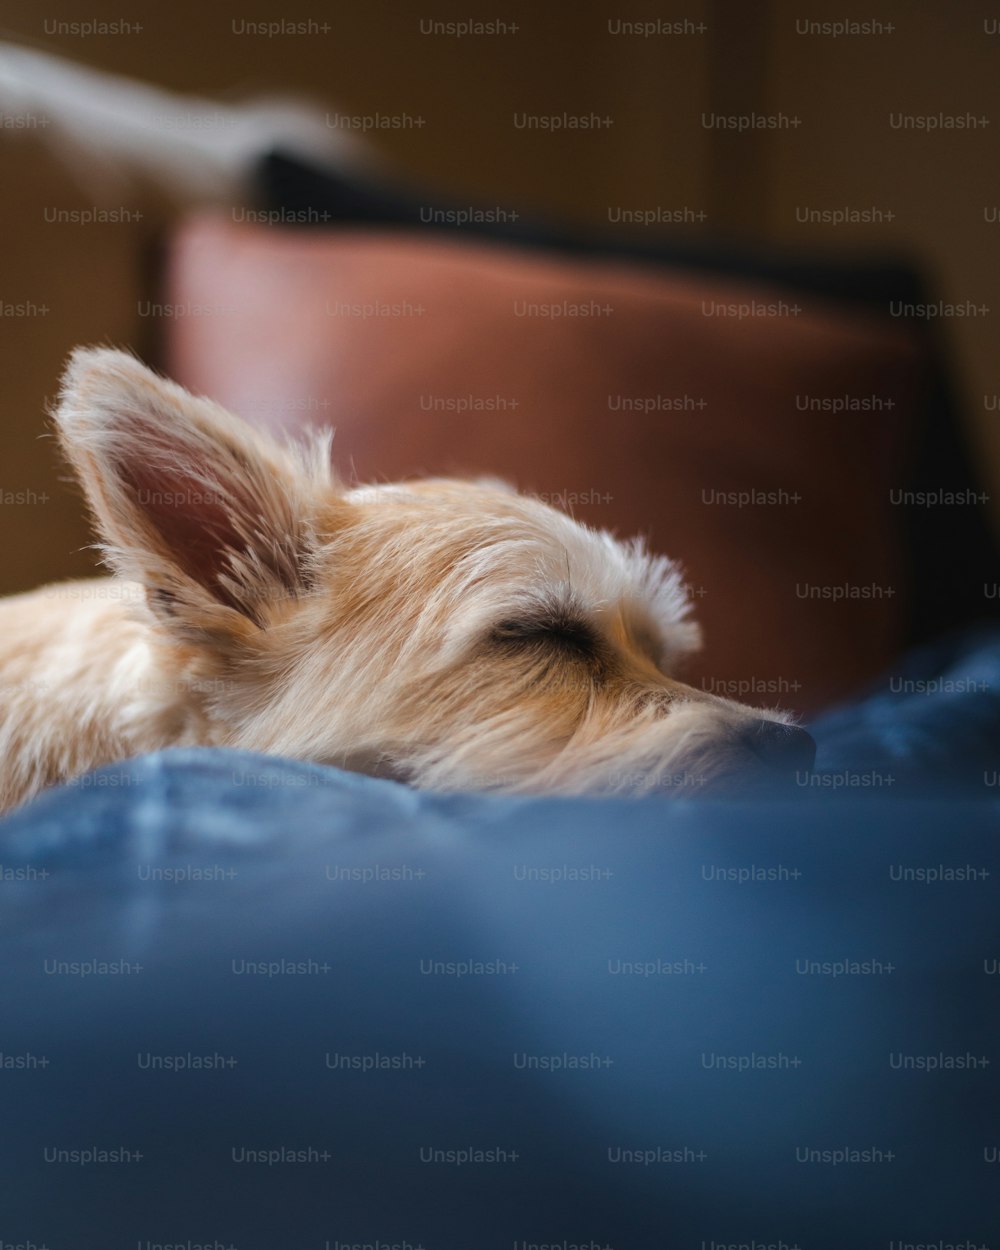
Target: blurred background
835,170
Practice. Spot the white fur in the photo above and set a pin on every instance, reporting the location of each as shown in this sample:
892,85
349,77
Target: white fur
451,633
111,129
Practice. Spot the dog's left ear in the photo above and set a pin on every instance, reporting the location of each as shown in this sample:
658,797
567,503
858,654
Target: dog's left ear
216,520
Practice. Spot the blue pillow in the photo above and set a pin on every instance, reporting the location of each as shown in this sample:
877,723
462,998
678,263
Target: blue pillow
251,1003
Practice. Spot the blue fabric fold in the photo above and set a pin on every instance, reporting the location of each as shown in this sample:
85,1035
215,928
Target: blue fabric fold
254,1003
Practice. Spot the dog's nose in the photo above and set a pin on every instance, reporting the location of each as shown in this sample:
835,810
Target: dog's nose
784,748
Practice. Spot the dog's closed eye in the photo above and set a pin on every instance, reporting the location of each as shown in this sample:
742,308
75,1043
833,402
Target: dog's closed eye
568,633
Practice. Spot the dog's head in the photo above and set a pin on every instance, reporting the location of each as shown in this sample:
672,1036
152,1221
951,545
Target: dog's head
452,633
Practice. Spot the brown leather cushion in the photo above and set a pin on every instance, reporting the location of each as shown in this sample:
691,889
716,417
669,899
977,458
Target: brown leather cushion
623,393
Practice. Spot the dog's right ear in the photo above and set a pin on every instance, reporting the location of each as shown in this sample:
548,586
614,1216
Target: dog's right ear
216,520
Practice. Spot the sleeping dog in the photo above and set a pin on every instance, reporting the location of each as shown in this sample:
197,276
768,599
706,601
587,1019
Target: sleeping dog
449,633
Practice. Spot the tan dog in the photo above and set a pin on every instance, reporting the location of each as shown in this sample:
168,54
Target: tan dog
453,634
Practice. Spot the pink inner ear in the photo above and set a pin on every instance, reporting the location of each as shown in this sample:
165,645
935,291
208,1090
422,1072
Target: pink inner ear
196,524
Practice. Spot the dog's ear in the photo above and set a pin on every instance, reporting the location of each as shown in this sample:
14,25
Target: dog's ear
214,519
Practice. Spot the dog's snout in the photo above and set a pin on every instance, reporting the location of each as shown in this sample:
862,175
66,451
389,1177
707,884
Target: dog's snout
784,748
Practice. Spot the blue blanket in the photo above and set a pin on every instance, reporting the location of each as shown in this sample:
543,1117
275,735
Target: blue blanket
933,721
257,1004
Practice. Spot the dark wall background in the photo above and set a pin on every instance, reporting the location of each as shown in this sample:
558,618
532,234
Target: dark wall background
730,58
